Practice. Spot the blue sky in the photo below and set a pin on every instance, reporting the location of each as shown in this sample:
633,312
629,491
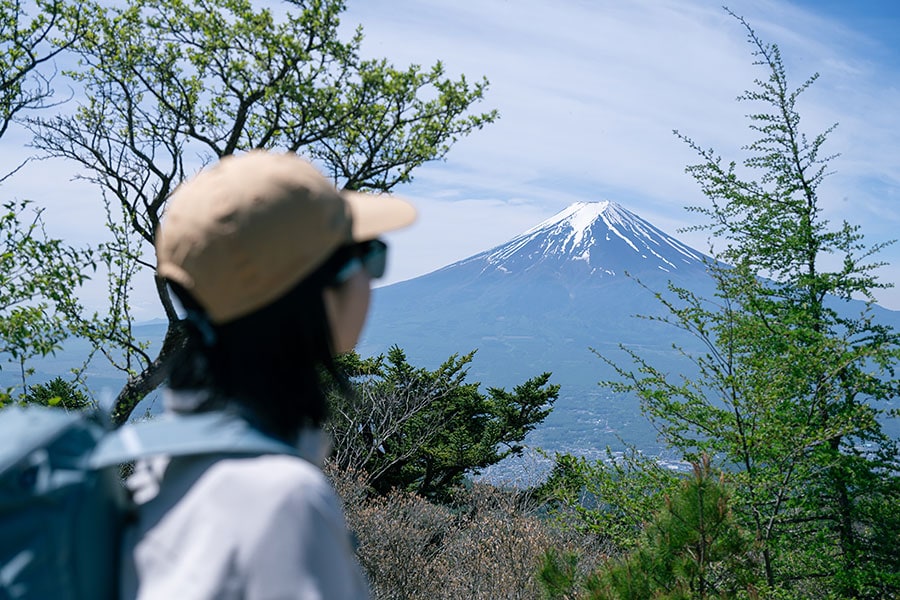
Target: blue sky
589,92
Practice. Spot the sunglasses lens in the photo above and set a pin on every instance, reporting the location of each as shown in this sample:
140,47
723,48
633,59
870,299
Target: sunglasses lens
348,270
371,256
374,258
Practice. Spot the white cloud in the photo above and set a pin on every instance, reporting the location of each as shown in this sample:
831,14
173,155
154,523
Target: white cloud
589,92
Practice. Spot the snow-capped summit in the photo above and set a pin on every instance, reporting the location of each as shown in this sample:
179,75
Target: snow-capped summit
541,300
577,277
593,239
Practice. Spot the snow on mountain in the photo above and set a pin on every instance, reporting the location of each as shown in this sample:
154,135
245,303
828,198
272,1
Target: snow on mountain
597,239
548,294
541,302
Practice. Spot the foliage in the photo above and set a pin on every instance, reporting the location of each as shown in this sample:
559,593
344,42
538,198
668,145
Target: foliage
789,385
419,430
57,392
559,575
38,274
692,549
38,280
171,85
609,498
27,44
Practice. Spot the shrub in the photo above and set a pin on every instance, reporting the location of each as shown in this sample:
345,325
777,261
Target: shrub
489,543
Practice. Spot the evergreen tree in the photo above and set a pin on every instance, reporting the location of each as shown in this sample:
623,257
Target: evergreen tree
692,548
418,430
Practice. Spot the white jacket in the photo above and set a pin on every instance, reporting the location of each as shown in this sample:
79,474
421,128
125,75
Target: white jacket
258,528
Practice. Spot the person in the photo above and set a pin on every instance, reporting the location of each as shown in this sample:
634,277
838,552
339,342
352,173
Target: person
273,267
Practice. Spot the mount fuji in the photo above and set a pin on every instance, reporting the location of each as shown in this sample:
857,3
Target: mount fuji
541,300
545,301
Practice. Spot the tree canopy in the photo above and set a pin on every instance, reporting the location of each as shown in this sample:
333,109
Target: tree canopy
165,87
39,274
418,430
29,42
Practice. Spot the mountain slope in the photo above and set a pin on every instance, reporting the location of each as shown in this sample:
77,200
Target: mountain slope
541,302
542,299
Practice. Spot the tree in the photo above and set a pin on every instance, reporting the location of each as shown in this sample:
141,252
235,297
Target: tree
27,44
417,430
38,274
788,391
609,498
692,548
38,280
172,85
57,392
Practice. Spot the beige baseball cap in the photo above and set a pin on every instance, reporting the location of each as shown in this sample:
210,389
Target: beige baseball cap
242,233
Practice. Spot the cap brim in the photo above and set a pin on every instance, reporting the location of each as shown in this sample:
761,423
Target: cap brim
373,215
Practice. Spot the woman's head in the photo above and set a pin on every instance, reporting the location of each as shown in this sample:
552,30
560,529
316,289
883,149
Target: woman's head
244,232
273,266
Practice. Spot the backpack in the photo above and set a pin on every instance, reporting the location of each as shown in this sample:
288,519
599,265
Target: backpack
63,505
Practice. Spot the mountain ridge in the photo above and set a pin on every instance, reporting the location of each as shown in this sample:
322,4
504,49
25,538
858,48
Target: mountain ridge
578,269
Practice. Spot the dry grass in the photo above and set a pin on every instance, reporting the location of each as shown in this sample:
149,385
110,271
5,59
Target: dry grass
489,545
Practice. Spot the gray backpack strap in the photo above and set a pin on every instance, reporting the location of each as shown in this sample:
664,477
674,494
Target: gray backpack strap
185,435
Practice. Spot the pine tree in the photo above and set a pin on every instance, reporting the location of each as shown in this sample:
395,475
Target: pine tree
413,429
692,548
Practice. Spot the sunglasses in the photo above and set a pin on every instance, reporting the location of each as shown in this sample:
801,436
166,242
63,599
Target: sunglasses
370,255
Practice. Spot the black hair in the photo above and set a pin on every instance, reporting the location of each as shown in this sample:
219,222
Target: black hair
268,364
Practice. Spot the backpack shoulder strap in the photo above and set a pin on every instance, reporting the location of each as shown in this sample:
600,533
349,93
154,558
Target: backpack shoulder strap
25,429
185,435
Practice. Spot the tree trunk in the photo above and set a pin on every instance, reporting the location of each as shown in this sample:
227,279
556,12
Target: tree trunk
138,386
